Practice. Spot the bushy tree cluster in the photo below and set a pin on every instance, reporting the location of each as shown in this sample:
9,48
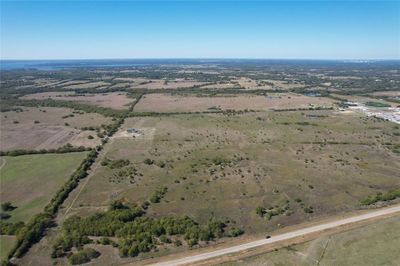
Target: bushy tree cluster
83,256
7,228
158,195
112,164
136,232
270,212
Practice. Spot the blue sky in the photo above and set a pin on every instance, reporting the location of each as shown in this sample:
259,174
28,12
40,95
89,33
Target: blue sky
200,29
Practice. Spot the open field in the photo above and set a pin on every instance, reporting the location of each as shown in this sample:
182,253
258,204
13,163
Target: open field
6,243
114,100
251,84
225,166
228,165
374,244
285,159
387,93
54,127
88,85
184,103
170,84
144,83
30,181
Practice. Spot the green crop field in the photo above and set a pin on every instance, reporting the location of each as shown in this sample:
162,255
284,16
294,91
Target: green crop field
374,244
30,181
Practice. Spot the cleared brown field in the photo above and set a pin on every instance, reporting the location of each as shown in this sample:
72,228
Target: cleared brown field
171,84
88,85
387,93
143,83
282,84
179,103
114,100
20,131
248,83
47,82
221,85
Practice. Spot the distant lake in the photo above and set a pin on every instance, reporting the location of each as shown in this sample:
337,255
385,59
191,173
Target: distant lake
116,63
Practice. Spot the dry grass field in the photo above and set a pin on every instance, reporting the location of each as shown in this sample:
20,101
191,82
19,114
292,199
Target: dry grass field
226,166
30,181
250,84
114,100
170,84
221,85
184,103
387,93
283,84
54,127
87,85
144,83
375,244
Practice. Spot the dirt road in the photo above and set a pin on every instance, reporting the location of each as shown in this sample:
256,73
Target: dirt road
281,237
3,162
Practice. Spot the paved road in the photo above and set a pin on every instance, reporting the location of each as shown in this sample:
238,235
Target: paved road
281,237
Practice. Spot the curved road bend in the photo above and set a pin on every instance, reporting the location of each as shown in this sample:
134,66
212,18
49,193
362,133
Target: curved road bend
280,237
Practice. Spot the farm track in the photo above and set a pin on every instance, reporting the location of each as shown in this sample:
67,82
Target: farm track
3,162
92,171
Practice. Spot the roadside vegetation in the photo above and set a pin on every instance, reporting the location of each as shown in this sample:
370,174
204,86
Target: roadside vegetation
136,232
385,196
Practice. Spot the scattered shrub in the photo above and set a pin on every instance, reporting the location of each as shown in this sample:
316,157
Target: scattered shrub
83,256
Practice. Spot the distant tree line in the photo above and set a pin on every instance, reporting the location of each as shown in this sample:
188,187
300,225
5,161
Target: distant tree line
65,104
33,231
64,149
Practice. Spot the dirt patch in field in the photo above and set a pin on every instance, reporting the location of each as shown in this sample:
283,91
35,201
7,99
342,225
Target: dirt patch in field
387,93
249,84
170,84
88,85
283,84
45,128
180,103
221,85
52,116
114,100
40,136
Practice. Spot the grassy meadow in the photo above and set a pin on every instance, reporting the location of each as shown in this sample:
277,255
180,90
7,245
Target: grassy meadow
30,181
224,166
